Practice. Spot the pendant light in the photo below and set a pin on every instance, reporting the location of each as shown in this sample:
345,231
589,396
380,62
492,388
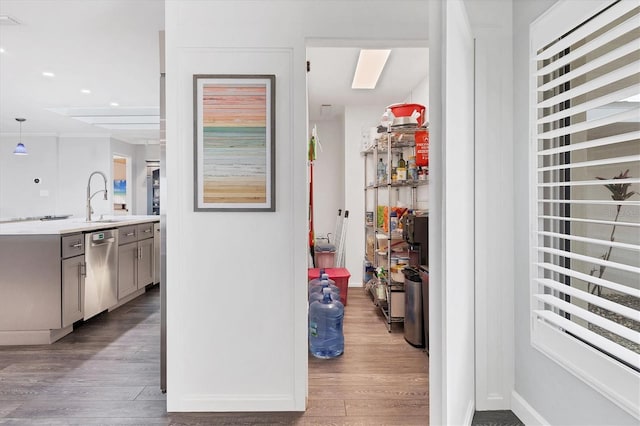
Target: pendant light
20,148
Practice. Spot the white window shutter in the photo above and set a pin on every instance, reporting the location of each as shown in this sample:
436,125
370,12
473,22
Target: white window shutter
585,201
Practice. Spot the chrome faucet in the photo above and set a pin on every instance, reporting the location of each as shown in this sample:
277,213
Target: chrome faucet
90,195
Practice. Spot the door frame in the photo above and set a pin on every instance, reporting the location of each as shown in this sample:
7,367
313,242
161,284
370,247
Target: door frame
452,259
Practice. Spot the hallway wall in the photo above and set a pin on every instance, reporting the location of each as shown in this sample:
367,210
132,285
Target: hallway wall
237,342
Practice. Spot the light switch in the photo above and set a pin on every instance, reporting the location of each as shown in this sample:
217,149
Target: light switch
44,192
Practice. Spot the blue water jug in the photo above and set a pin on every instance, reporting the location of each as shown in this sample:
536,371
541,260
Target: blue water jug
319,295
316,280
317,287
326,338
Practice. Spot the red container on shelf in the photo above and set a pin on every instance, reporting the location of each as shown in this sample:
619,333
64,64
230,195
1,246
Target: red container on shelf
405,110
339,275
422,147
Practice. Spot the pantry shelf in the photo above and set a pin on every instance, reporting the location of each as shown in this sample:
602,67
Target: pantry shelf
386,192
404,184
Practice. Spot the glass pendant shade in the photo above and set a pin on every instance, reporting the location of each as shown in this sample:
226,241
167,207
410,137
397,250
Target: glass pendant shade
20,148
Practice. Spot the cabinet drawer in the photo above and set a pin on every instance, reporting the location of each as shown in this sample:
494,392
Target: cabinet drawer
72,245
128,234
145,230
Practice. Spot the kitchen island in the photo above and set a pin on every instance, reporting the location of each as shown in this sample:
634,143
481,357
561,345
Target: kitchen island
54,273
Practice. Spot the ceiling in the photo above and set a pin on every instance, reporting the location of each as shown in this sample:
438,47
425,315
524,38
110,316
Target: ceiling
107,46
111,48
332,68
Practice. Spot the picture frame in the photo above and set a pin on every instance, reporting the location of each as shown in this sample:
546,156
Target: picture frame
234,142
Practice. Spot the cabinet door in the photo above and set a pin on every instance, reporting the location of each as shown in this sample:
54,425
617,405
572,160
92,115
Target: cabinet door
127,259
145,262
73,273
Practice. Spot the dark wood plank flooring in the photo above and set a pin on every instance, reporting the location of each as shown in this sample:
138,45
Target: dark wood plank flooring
108,372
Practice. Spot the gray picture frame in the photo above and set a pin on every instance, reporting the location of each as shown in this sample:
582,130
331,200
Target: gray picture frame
234,142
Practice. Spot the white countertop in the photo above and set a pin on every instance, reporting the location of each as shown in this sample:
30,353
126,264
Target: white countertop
71,225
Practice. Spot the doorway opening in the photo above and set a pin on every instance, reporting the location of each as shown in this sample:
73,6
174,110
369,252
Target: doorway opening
122,185
345,124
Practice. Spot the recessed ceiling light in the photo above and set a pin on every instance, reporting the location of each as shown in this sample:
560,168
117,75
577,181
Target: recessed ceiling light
114,104
48,74
85,91
2,50
369,67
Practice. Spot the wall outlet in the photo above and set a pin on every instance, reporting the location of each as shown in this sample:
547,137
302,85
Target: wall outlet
44,192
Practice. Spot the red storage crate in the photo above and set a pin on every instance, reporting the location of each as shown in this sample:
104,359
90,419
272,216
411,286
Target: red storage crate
339,275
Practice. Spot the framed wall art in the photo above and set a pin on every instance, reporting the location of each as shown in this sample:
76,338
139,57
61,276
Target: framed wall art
234,142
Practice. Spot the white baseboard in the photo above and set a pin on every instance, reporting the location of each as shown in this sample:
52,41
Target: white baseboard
493,403
233,403
33,337
526,412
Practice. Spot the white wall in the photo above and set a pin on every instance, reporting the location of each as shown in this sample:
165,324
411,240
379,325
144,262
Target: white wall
420,95
78,157
356,121
20,196
63,165
232,346
328,181
542,387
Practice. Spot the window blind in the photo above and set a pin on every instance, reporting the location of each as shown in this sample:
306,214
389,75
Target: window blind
586,179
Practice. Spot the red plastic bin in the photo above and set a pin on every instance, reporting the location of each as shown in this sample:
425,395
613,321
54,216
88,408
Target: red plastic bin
339,275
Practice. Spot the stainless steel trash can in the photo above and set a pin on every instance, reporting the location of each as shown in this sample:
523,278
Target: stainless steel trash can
424,275
413,319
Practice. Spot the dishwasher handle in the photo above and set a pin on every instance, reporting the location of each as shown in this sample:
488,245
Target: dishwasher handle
103,242
101,238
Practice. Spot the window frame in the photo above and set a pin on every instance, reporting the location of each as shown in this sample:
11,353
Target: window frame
613,379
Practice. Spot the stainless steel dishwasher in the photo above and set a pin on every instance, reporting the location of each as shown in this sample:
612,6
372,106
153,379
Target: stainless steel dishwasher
101,282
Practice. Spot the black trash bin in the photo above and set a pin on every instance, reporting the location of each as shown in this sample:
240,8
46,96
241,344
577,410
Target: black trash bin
413,312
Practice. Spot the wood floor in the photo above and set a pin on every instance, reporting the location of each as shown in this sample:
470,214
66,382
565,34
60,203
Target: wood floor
108,372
